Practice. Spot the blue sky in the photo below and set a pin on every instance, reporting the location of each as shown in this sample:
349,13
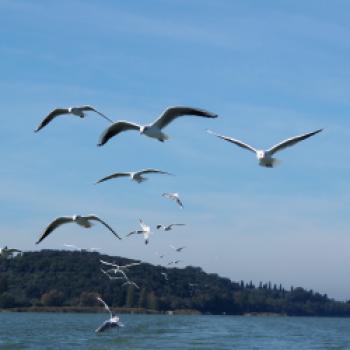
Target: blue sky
270,69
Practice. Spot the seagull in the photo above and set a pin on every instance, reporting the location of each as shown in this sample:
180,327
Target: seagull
84,221
117,268
136,176
130,283
7,252
78,111
154,129
145,231
174,262
177,249
174,197
165,275
113,322
112,277
168,227
265,156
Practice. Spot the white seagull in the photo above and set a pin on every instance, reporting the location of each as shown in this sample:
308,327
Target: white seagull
154,129
174,197
145,231
265,156
177,249
84,221
165,275
113,277
136,176
168,227
113,322
77,111
117,268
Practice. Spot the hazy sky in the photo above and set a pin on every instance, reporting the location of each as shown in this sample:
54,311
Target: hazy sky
270,69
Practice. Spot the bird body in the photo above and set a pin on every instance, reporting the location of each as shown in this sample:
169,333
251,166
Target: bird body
265,157
153,130
84,221
77,111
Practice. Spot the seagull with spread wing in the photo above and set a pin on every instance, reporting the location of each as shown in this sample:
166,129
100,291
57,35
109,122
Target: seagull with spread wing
145,231
174,197
136,176
177,249
77,111
168,227
84,221
265,157
154,130
113,322
115,268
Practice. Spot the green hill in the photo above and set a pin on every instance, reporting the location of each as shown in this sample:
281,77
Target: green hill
52,278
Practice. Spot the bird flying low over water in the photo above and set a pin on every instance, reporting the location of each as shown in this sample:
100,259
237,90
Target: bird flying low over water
154,129
77,111
168,227
136,176
113,322
145,231
174,197
84,221
265,156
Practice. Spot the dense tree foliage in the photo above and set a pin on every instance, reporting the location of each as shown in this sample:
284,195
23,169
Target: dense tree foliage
73,278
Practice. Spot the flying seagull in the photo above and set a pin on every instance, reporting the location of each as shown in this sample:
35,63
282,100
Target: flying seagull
136,176
174,197
117,268
113,321
77,111
165,275
72,246
128,282
154,129
84,221
174,262
107,273
168,227
145,231
265,156
177,249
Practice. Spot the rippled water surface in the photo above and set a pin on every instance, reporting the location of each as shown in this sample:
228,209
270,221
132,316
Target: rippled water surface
76,331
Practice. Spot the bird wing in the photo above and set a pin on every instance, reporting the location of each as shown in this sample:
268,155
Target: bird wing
105,305
134,232
96,218
108,263
179,249
172,113
179,202
132,264
115,129
292,141
171,225
152,171
53,225
90,108
237,142
113,176
56,112
104,326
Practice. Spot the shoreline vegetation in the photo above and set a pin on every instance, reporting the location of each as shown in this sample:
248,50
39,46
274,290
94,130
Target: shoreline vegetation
70,281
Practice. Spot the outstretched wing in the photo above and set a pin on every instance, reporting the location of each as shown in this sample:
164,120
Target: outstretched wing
105,305
172,113
90,108
292,141
56,112
132,264
104,326
113,176
96,218
179,202
53,225
153,171
108,263
171,225
115,129
236,142
134,233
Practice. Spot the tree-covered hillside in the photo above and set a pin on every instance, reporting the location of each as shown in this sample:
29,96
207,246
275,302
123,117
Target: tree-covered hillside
73,278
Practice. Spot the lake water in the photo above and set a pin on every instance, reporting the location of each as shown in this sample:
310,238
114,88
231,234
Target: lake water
76,331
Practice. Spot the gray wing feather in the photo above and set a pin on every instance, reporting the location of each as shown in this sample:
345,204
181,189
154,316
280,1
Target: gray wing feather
153,171
56,112
292,141
172,113
236,142
115,129
96,218
90,108
54,224
113,176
